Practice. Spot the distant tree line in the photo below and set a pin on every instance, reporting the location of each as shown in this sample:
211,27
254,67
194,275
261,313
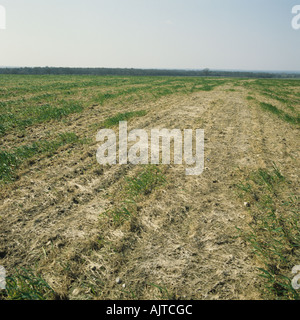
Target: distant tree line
143,72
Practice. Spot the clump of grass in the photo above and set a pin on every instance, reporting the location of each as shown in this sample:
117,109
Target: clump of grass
207,87
230,90
280,113
163,292
25,285
149,179
122,117
274,232
161,92
121,212
10,161
134,189
269,107
31,115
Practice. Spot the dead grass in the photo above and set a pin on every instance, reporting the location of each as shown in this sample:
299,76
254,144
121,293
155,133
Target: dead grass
180,239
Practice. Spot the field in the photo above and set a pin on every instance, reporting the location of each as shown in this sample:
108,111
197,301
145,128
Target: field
73,229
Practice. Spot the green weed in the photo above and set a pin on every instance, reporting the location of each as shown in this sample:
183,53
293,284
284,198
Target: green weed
280,113
134,189
149,179
25,285
274,233
163,292
113,121
10,161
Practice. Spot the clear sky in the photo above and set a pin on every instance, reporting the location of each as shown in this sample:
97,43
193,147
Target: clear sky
179,34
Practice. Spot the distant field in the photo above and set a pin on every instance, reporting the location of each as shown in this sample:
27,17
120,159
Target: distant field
70,227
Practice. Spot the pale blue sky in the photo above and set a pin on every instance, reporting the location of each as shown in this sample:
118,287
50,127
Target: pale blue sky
195,34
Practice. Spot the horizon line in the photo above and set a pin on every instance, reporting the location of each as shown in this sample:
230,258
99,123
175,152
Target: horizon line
162,69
